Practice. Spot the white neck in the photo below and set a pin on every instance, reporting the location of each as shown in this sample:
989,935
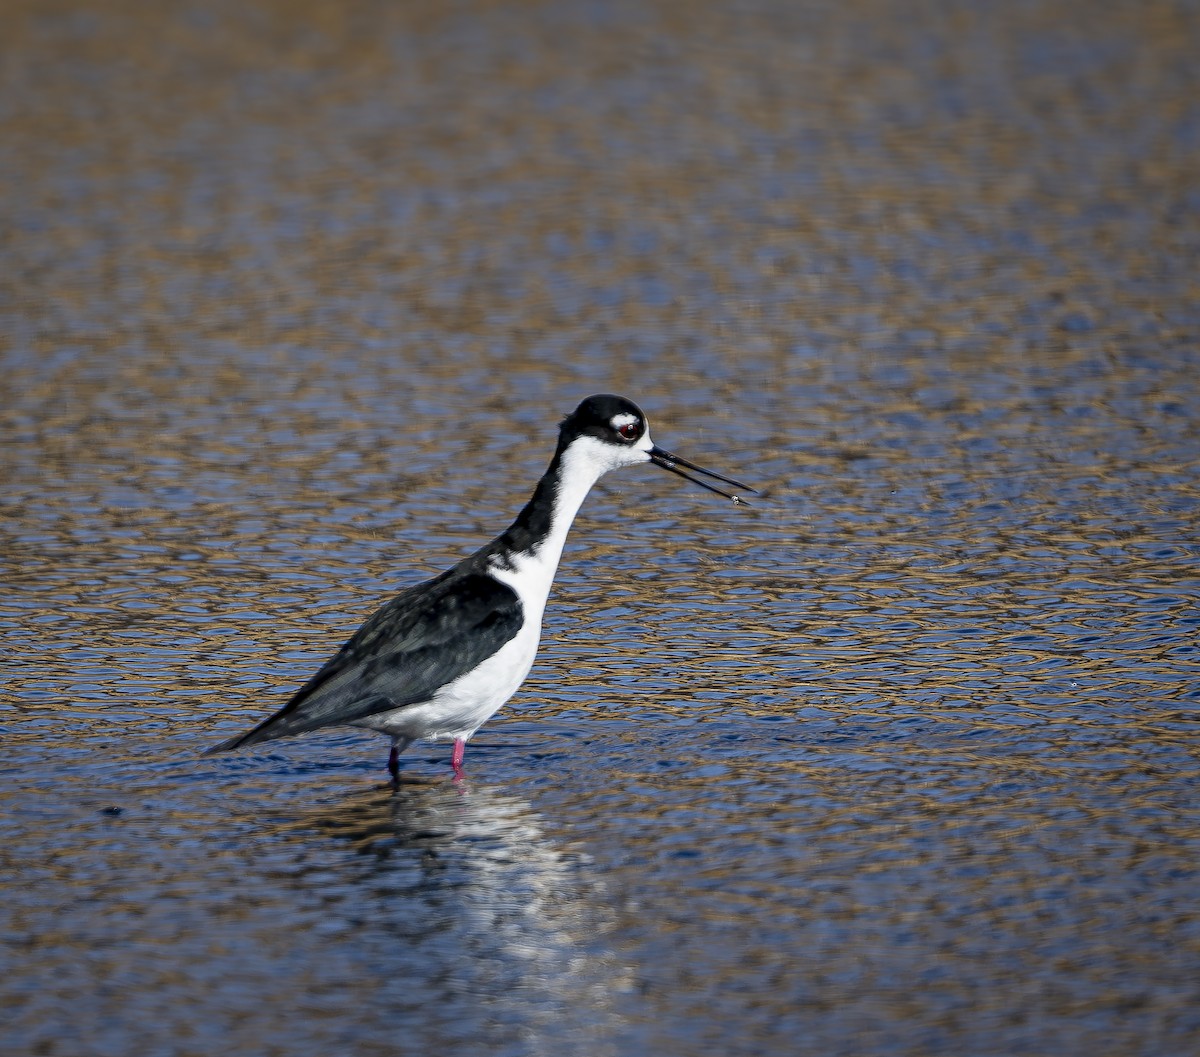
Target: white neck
530,573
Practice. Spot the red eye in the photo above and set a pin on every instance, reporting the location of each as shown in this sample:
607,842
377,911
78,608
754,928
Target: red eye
629,431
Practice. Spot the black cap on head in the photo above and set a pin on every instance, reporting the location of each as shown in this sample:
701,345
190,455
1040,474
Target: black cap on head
604,416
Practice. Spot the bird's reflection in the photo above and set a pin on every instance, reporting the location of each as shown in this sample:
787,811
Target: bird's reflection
433,815
465,885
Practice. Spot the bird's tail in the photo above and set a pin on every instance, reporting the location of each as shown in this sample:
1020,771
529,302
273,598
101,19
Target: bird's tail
296,717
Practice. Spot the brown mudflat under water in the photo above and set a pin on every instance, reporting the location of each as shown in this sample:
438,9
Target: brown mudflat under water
902,760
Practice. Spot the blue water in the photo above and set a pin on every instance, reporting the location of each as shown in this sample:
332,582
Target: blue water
899,760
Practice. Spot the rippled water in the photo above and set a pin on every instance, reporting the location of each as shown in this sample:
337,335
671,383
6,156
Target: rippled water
900,760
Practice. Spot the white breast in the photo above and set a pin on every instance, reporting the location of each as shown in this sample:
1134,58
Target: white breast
461,707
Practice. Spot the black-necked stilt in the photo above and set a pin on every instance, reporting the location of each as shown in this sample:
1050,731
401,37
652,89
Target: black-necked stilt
440,658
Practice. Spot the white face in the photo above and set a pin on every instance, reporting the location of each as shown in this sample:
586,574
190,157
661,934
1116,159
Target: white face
588,458
639,450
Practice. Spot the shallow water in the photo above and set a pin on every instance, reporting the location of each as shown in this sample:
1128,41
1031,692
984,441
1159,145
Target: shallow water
902,759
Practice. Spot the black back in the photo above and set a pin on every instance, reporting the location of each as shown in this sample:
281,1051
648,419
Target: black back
422,639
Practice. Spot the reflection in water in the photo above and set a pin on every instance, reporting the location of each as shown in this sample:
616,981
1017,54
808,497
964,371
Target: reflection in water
464,897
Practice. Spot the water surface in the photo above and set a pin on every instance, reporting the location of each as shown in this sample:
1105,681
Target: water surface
901,760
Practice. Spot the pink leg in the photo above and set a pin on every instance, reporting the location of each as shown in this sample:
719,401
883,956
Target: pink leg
456,757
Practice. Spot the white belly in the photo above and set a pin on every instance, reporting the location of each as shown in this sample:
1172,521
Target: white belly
460,708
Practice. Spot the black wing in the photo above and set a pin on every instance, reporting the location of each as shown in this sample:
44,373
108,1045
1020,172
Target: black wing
420,640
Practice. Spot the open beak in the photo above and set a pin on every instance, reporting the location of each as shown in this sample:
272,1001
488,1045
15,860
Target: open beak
673,463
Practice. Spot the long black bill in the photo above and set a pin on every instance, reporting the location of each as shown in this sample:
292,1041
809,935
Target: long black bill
672,462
